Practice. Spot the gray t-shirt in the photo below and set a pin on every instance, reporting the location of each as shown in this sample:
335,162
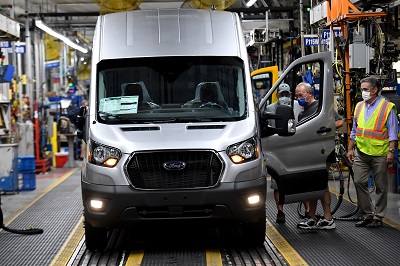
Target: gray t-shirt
311,109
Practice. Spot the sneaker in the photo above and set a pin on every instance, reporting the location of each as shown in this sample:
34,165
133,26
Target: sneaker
280,217
326,224
307,224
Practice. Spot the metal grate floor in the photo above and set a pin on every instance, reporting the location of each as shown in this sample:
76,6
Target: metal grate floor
345,245
59,210
56,212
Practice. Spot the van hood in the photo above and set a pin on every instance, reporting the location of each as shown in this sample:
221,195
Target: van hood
215,136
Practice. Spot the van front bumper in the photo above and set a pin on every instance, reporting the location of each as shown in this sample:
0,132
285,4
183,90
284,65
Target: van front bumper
125,206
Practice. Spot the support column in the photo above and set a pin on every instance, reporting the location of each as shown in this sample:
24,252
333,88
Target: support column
28,62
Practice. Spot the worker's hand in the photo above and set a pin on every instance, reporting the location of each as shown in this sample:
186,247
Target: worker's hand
390,158
350,156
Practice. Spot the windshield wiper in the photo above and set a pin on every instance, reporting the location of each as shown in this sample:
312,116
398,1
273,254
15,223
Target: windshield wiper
183,120
118,116
167,120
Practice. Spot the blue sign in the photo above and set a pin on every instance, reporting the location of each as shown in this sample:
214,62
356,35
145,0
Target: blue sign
326,34
21,49
52,64
5,44
312,40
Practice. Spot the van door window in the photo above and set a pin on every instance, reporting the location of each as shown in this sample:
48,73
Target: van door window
299,89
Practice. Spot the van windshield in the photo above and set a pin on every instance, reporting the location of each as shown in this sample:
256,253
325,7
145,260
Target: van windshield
166,89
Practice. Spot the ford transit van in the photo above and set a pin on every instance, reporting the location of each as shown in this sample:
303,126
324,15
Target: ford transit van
171,130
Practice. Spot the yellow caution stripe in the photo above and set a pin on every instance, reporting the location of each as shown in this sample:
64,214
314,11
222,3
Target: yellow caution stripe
213,257
285,249
70,245
135,258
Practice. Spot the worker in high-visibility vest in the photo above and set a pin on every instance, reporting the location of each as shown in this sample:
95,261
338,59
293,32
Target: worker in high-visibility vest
372,146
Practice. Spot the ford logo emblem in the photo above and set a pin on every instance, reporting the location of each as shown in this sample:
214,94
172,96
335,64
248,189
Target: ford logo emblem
174,166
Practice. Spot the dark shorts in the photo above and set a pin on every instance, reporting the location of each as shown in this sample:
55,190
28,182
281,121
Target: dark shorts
274,185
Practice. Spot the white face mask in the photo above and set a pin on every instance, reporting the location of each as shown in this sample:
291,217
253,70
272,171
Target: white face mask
284,100
366,95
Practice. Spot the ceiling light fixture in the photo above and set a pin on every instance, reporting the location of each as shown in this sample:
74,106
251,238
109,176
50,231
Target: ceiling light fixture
250,3
57,35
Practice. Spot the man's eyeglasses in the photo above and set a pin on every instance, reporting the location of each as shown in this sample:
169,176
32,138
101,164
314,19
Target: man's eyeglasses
300,95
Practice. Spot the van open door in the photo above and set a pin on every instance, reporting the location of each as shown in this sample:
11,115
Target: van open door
298,162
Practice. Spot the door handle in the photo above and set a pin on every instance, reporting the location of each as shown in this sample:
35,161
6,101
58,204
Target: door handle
324,130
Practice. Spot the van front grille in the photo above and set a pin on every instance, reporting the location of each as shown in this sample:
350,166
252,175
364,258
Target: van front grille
146,170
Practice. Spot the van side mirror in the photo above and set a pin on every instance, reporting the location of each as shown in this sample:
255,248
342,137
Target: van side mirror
285,124
80,121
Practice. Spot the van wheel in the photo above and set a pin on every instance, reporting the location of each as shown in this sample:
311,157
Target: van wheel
95,238
253,234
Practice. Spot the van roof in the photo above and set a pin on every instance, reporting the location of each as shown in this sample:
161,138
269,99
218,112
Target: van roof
168,32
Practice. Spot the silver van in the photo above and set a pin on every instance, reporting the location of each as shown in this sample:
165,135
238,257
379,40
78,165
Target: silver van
172,130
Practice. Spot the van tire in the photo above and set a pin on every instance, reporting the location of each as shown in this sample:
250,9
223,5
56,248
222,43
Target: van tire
254,234
95,237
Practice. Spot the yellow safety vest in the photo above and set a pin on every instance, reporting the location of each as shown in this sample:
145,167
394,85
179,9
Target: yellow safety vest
372,136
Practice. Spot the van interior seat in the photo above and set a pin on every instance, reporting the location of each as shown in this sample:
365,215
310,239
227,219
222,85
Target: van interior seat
136,89
210,92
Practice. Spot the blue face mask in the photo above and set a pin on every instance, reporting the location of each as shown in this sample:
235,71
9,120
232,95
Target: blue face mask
302,101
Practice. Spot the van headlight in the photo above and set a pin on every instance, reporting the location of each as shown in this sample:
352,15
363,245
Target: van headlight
103,155
245,151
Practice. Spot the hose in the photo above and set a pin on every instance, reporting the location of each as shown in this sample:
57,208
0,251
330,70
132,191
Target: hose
348,217
339,201
30,231
345,217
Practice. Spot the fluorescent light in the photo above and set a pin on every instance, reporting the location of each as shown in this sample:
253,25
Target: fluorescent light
250,3
57,35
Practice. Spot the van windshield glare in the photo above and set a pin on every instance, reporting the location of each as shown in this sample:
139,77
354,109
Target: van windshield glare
187,89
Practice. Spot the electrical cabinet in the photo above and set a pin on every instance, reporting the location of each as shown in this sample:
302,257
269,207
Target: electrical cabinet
358,55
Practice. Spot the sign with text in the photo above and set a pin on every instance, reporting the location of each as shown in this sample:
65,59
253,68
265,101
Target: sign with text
326,35
52,64
21,49
5,44
312,39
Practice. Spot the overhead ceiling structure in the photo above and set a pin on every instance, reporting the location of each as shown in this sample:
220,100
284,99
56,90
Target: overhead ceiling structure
71,16
78,17
65,16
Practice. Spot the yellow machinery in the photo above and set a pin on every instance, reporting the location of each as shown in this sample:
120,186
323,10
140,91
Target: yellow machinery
263,79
